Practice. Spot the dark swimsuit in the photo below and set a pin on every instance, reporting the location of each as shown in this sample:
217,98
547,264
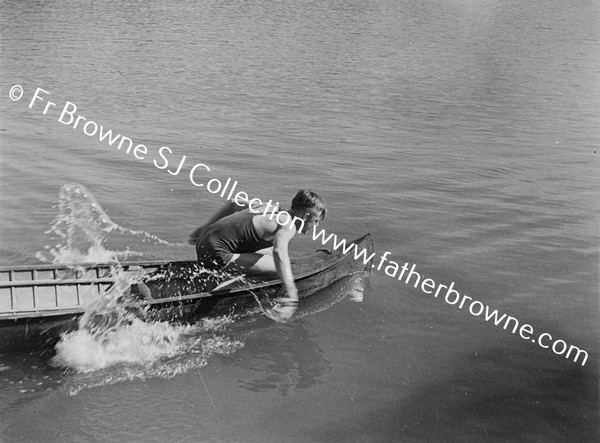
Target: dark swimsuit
234,234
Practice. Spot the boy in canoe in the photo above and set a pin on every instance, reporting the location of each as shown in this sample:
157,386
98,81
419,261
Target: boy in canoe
254,238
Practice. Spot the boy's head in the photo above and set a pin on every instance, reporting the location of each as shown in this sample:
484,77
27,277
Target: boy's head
308,206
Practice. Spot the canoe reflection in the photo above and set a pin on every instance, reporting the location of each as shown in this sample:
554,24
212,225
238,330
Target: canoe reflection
286,355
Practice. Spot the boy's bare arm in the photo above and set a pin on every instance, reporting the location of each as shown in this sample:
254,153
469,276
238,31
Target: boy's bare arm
281,257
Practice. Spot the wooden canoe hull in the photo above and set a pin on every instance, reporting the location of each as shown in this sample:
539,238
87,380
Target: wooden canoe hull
178,291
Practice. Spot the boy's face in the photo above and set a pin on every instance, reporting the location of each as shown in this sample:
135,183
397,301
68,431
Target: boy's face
311,218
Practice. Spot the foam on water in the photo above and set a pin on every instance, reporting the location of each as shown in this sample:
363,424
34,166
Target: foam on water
139,351
138,342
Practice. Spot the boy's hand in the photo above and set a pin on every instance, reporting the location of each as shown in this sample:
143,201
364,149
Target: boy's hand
284,308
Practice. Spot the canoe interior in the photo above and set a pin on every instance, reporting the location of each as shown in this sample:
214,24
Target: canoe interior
44,288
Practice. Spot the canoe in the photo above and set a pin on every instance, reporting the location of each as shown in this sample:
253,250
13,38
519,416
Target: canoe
43,301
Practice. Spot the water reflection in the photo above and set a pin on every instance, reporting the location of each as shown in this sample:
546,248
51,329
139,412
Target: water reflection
288,360
286,357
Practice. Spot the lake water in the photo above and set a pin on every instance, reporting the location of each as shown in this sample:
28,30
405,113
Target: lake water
462,134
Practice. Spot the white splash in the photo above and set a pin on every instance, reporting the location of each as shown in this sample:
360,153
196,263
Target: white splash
139,342
82,229
140,350
114,344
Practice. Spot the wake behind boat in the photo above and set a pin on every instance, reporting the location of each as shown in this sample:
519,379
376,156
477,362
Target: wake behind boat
45,300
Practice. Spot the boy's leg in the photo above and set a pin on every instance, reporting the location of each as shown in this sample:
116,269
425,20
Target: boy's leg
266,251
253,263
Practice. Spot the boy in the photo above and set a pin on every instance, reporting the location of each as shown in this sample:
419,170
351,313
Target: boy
237,236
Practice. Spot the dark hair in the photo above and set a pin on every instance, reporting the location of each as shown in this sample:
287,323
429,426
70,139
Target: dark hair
307,199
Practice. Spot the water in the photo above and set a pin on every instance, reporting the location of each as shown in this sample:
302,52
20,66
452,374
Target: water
463,135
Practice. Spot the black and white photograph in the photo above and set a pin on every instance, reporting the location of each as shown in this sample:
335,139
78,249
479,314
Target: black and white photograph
289,221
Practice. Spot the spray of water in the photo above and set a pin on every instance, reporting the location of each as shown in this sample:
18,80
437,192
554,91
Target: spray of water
140,350
81,229
112,343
